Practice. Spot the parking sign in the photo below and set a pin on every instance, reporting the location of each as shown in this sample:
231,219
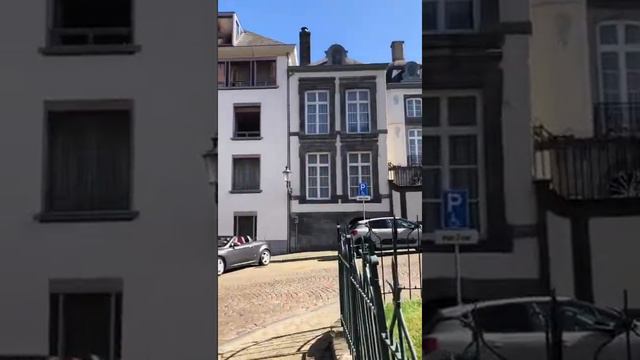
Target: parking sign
455,206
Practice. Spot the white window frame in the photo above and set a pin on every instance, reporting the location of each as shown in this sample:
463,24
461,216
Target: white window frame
317,104
360,164
411,146
416,104
621,49
318,165
444,131
441,16
358,102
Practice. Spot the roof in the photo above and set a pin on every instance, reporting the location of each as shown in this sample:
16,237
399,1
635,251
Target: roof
456,311
347,61
249,38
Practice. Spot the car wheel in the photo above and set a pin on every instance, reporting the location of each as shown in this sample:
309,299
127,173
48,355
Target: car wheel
265,258
221,266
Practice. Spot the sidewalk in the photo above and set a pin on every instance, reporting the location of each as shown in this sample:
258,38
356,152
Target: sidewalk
301,337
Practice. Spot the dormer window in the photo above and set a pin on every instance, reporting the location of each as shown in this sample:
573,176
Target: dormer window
450,15
336,55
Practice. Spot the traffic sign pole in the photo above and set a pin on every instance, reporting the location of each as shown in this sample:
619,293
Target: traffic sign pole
458,275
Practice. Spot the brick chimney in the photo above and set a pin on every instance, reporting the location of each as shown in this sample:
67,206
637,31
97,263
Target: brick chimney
305,46
397,52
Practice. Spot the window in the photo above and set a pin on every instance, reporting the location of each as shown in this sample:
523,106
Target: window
99,22
359,171
414,107
84,324
452,155
414,140
246,225
358,111
507,318
240,74
222,74
318,171
449,15
89,161
247,121
256,73
317,112
246,174
265,73
575,316
619,47
381,224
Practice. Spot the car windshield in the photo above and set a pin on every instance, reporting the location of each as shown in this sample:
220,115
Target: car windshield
223,241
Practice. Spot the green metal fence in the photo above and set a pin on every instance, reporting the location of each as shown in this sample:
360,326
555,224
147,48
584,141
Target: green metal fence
362,307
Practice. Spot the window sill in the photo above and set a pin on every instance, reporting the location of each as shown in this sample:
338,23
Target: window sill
57,50
246,138
86,216
247,87
245,191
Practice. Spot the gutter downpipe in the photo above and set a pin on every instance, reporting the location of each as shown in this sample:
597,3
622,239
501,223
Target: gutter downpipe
288,157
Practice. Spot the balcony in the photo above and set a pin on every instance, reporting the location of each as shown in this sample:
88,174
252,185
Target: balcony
588,168
405,175
614,119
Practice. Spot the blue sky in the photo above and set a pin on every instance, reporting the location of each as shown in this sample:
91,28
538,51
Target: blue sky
364,27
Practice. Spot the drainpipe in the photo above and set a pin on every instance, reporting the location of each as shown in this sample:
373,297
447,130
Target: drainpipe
288,157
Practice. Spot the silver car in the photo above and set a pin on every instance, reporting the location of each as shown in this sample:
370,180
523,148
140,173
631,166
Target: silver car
409,233
515,330
237,251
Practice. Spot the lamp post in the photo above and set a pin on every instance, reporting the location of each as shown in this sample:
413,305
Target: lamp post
287,182
211,163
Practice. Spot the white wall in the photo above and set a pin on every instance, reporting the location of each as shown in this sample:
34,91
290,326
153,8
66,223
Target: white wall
271,203
171,82
615,249
522,263
560,67
560,254
397,131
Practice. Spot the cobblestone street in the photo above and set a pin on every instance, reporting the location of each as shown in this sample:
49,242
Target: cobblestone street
252,299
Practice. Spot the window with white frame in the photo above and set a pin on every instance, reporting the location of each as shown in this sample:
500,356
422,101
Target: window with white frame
359,167
450,15
619,59
414,142
358,111
414,107
318,176
453,156
317,112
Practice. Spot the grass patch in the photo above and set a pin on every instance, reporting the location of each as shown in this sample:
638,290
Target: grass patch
412,312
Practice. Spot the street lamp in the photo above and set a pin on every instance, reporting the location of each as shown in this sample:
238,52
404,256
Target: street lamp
287,182
211,163
287,179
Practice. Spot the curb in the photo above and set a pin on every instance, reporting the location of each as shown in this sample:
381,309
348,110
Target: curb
310,258
339,346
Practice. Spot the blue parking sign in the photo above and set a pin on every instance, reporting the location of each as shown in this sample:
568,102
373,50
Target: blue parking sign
455,209
363,189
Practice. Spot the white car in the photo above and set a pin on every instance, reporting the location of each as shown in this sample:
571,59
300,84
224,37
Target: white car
515,329
408,232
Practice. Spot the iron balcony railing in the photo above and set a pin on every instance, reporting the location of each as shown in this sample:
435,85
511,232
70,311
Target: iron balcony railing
588,168
406,175
617,119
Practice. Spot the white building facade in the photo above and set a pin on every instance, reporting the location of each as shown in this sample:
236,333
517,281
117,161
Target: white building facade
338,139
252,112
106,231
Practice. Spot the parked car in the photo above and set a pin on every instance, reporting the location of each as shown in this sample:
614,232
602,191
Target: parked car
237,251
515,329
409,232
